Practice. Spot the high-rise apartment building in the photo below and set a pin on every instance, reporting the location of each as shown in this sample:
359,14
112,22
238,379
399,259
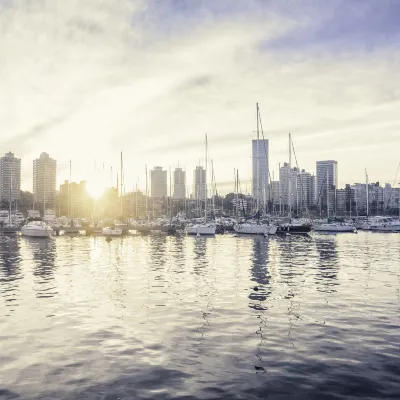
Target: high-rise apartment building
159,187
260,169
44,180
199,183
327,183
10,177
179,184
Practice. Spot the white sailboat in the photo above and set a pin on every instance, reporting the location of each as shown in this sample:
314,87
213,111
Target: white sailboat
256,226
205,228
36,229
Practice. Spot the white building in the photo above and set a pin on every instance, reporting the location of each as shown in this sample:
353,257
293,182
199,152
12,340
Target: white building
159,187
44,180
10,177
327,183
260,169
179,184
199,183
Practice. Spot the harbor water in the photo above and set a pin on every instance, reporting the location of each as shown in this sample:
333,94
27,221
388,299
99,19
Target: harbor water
225,317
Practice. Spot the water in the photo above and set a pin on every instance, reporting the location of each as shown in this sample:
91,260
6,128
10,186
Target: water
200,318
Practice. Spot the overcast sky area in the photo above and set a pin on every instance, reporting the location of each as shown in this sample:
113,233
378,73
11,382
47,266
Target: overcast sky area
85,79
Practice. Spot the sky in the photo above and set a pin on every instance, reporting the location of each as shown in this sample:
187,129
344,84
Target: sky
85,80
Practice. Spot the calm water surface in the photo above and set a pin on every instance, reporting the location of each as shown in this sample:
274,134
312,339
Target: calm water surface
200,318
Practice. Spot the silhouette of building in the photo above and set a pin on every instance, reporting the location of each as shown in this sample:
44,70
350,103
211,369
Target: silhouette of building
10,177
179,184
44,180
327,183
74,199
199,183
158,178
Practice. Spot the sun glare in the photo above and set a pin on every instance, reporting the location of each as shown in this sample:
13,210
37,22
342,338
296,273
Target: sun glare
95,190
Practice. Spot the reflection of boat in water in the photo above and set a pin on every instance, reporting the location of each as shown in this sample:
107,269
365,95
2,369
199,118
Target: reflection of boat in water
36,229
111,231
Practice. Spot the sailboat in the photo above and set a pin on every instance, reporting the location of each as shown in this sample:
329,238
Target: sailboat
334,227
292,225
203,228
255,225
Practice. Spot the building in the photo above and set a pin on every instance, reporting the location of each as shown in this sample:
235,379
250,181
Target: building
44,180
199,183
10,177
74,199
260,169
327,183
275,192
159,187
179,184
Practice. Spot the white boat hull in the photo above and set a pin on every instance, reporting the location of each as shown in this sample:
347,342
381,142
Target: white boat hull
201,230
112,232
384,228
334,228
255,229
36,233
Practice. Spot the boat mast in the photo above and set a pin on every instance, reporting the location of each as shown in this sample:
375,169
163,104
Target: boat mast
170,196
205,185
122,167
69,190
147,193
44,191
366,185
327,194
258,162
290,176
9,213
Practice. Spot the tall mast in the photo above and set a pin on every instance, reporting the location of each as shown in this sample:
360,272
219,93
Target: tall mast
366,181
280,193
290,177
170,195
327,193
69,190
122,167
9,215
236,191
44,190
205,185
147,191
258,162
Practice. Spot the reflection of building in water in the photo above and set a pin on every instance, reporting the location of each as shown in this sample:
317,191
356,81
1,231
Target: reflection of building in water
260,291
328,266
44,255
10,271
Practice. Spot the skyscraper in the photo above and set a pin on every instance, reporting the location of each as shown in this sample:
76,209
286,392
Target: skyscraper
10,177
158,178
327,182
44,180
260,169
199,183
179,184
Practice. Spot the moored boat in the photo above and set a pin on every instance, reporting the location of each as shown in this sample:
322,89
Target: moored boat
36,229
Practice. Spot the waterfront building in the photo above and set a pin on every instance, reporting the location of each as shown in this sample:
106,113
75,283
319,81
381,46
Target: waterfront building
158,178
260,177
327,183
44,180
74,199
179,184
199,183
10,177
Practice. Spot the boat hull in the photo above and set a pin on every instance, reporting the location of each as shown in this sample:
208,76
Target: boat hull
201,230
294,230
254,229
112,232
334,228
39,233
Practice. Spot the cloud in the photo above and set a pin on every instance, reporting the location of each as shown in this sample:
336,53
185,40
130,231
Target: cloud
85,80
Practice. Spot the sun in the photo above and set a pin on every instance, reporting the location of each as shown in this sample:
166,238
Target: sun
95,190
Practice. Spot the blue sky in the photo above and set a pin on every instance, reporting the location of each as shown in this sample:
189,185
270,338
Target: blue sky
85,80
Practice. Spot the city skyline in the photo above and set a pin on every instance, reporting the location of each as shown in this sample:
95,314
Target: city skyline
151,78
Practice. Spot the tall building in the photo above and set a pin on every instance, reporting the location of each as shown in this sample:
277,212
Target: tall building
44,180
10,177
74,199
327,183
179,184
158,178
199,183
260,169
